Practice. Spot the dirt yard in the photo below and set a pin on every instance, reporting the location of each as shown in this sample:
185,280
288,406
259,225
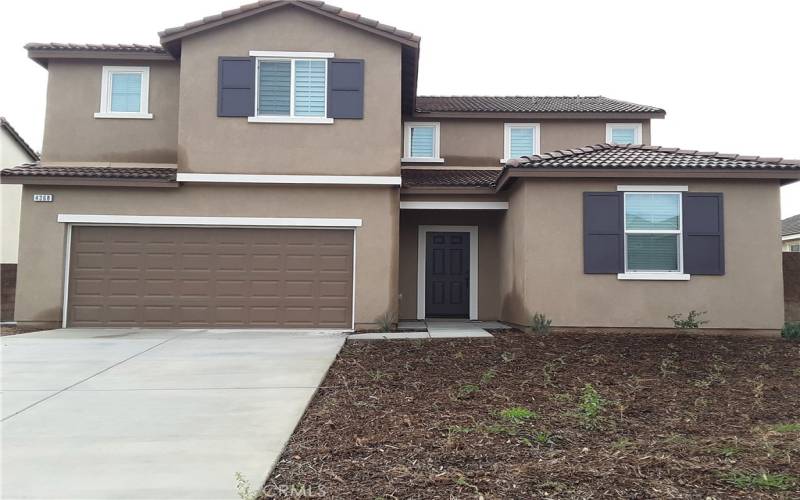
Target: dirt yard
558,416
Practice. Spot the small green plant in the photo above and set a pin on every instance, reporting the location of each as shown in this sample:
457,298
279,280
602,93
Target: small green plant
386,321
488,376
454,430
543,437
729,451
692,321
376,375
668,365
540,324
590,406
782,428
466,391
622,444
243,488
517,414
791,331
762,480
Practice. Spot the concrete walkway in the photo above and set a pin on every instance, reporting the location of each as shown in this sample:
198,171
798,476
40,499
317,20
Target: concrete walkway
155,414
435,329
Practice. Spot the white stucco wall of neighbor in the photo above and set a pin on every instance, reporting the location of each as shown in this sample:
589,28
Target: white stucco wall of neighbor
11,155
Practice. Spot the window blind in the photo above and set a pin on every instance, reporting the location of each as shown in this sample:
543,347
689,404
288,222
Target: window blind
274,89
126,92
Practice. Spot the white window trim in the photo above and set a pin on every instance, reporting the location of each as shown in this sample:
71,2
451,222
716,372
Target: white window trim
422,240
347,180
507,138
635,189
678,275
105,93
636,126
436,158
292,57
453,205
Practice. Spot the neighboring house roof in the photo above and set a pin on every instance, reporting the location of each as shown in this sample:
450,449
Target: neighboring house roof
93,172
529,104
449,178
4,125
633,156
119,47
209,22
791,226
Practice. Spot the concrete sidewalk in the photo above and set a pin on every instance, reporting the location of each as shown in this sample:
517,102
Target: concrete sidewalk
435,329
155,414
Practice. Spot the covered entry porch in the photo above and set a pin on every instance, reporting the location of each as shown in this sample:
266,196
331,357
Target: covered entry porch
449,259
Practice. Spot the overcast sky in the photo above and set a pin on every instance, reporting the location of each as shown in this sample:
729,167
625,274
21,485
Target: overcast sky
727,72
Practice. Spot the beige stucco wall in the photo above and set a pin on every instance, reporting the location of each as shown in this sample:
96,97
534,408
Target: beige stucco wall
11,155
41,265
72,133
542,238
208,143
474,141
487,222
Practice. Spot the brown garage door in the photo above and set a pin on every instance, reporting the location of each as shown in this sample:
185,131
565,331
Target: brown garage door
223,277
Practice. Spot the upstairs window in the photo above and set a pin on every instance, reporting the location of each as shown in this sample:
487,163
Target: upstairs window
292,89
422,142
624,133
653,232
124,92
520,139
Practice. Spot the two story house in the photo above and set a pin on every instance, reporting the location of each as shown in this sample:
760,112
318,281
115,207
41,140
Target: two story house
273,166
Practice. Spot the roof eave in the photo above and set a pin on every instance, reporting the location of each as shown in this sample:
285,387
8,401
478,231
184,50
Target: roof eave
43,180
540,116
512,173
42,57
170,39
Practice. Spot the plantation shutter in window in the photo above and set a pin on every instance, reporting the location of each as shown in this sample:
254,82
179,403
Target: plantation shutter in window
309,88
422,142
274,88
235,92
521,141
346,88
603,233
703,234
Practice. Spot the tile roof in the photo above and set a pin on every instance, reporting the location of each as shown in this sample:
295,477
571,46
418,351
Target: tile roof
628,156
529,104
93,172
18,139
790,225
91,47
450,178
321,6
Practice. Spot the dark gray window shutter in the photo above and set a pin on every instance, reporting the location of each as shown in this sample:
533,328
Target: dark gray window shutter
236,82
603,233
346,88
703,234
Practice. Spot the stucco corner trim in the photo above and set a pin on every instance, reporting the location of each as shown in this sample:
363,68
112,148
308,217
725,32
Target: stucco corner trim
654,276
422,240
454,205
167,220
347,180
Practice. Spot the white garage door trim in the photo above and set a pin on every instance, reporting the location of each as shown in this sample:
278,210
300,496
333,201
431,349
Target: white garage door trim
165,220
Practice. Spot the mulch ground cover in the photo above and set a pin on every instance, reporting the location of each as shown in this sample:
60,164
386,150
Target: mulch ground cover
558,416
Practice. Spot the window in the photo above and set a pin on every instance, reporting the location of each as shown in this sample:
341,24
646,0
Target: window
422,142
794,248
124,92
624,133
520,139
291,90
653,227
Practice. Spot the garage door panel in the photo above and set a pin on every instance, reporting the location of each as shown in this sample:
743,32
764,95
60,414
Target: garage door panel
195,277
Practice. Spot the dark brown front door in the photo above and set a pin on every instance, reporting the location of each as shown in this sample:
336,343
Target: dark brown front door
221,277
447,275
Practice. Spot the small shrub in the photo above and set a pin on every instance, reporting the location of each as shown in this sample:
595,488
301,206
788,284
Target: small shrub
543,437
488,376
540,324
386,321
466,391
761,480
517,414
590,406
791,331
692,320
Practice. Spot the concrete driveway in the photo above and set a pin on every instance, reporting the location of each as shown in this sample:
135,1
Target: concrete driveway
156,414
